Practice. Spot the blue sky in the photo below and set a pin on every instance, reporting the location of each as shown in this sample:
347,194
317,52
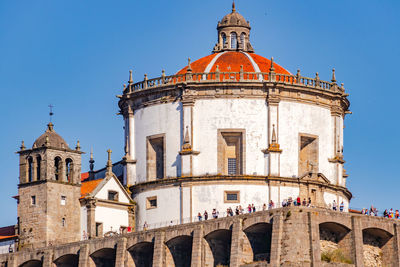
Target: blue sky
76,55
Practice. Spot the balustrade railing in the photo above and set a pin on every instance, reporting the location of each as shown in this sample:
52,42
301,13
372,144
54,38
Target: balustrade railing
229,77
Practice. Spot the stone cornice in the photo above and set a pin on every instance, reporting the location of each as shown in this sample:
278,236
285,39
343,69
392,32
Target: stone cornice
46,181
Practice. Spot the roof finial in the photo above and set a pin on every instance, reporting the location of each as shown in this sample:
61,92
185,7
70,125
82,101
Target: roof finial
189,66
272,69
109,162
22,145
233,7
130,77
51,113
273,139
91,161
78,146
333,75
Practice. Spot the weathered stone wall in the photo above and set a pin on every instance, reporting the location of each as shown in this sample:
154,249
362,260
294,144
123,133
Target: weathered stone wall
293,236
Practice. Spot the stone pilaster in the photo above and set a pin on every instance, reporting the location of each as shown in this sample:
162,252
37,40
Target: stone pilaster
129,159
196,247
239,246
272,153
396,246
34,169
91,221
159,250
315,252
131,217
48,259
357,237
84,256
121,252
276,240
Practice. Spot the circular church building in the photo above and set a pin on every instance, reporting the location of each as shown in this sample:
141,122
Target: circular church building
232,129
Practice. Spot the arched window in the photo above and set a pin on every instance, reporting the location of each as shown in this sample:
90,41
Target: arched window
57,166
242,39
68,169
233,40
223,35
30,169
38,162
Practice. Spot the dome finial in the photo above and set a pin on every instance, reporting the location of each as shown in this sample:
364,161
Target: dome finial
333,75
233,7
130,77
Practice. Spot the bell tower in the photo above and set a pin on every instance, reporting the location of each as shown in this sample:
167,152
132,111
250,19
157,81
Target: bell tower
49,191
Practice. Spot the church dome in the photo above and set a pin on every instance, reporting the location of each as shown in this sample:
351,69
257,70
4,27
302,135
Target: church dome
50,138
233,19
231,61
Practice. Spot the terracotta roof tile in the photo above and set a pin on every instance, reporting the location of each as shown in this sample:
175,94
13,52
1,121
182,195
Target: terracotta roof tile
89,186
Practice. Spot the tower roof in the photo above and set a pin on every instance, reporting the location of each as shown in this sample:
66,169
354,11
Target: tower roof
50,138
231,61
233,19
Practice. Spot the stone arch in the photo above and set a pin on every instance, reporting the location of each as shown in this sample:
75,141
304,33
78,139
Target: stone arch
180,248
219,242
259,236
38,167
69,169
378,247
142,254
30,169
68,260
104,257
32,263
335,239
57,168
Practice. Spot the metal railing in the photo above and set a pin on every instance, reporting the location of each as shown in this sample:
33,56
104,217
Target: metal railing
205,77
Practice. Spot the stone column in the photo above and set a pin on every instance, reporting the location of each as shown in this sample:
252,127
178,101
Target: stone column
91,221
159,250
34,169
357,237
129,159
121,252
272,153
337,128
196,246
276,240
315,253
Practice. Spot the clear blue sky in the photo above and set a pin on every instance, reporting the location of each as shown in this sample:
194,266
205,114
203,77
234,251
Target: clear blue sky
76,55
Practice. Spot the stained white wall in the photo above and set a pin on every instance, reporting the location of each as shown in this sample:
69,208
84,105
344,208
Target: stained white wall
295,118
158,119
111,217
212,114
112,185
329,197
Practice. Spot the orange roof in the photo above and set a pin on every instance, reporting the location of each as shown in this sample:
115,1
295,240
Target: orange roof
231,61
84,176
7,237
7,232
89,186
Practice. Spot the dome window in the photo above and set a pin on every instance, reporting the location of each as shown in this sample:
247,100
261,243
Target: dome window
233,40
242,40
223,35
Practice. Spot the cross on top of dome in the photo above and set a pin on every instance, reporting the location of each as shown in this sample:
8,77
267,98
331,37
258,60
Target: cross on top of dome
233,33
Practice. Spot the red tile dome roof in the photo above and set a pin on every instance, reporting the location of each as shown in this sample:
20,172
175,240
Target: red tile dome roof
230,61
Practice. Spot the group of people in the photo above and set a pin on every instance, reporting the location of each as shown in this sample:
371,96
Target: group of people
229,212
297,202
335,206
372,211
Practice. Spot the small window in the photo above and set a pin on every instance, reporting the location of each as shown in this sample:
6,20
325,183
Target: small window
99,229
63,200
233,40
33,200
232,196
151,203
63,222
113,195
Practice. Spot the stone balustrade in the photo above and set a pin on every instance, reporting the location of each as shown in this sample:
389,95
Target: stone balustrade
258,77
291,236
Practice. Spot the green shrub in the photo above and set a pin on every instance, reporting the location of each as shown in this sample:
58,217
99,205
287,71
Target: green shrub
335,256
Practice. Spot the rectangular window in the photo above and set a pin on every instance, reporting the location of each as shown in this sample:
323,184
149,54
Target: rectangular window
33,200
231,150
63,200
231,196
151,202
99,229
155,157
63,223
113,195
308,154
